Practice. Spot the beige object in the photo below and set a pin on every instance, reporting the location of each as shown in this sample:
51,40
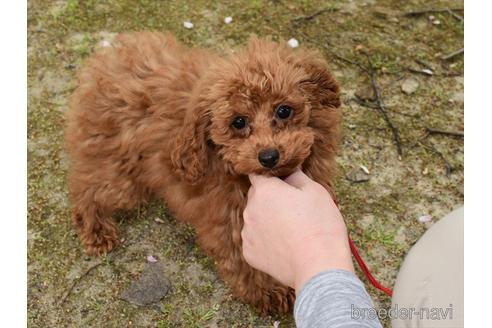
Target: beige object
429,287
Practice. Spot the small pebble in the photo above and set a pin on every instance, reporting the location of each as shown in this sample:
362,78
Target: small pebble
188,25
409,86
228,20
357,175
366,92
293,43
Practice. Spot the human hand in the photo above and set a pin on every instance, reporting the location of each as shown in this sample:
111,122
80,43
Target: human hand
293,230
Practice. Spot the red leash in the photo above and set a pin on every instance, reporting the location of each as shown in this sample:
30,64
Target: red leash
367,272
364,268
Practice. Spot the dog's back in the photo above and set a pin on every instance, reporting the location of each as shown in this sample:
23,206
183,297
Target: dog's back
143,73
130,99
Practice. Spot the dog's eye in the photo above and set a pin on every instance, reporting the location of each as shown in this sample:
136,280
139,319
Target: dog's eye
284,112
239,122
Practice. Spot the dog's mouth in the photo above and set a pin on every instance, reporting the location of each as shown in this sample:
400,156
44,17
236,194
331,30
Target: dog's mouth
280,172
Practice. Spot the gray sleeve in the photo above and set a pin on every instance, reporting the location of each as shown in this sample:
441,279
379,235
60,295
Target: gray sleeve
334,298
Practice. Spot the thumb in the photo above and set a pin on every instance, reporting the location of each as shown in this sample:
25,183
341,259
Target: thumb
298,179
257,180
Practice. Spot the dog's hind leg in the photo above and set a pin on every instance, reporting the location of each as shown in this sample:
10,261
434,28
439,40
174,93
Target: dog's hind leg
94,198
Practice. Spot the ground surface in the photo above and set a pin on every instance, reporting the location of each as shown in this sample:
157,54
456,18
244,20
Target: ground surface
68,289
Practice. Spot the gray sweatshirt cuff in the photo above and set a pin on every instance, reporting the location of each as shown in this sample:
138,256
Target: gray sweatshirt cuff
330,299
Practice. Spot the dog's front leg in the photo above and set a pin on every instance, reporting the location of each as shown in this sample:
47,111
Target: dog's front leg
222,241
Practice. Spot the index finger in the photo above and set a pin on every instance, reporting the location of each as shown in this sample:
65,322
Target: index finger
257,179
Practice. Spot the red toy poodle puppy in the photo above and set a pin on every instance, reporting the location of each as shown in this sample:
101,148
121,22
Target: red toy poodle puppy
151,117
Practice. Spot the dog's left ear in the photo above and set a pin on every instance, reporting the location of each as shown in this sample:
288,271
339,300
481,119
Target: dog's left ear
189,156
323,93
320,86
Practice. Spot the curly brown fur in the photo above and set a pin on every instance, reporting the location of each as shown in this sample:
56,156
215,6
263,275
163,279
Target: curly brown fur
152,117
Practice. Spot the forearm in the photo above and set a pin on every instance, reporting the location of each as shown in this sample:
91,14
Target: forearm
328,300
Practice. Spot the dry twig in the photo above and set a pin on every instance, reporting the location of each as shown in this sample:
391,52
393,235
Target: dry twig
431,147
455,15
426,72
372,105
431,11
425,64
76,281
382,109
453,54
313,15
444,132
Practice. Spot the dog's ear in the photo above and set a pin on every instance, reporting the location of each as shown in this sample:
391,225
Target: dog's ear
323,93
320,86
189,156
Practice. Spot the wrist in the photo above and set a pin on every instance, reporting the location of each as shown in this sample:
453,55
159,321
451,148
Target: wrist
322,256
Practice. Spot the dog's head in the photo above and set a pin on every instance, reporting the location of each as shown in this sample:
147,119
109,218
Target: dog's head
261,111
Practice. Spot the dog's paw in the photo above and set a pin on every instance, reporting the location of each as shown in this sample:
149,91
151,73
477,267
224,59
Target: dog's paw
100,247
101,242
278,300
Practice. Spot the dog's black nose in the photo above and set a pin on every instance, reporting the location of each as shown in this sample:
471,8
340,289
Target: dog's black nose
268,157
